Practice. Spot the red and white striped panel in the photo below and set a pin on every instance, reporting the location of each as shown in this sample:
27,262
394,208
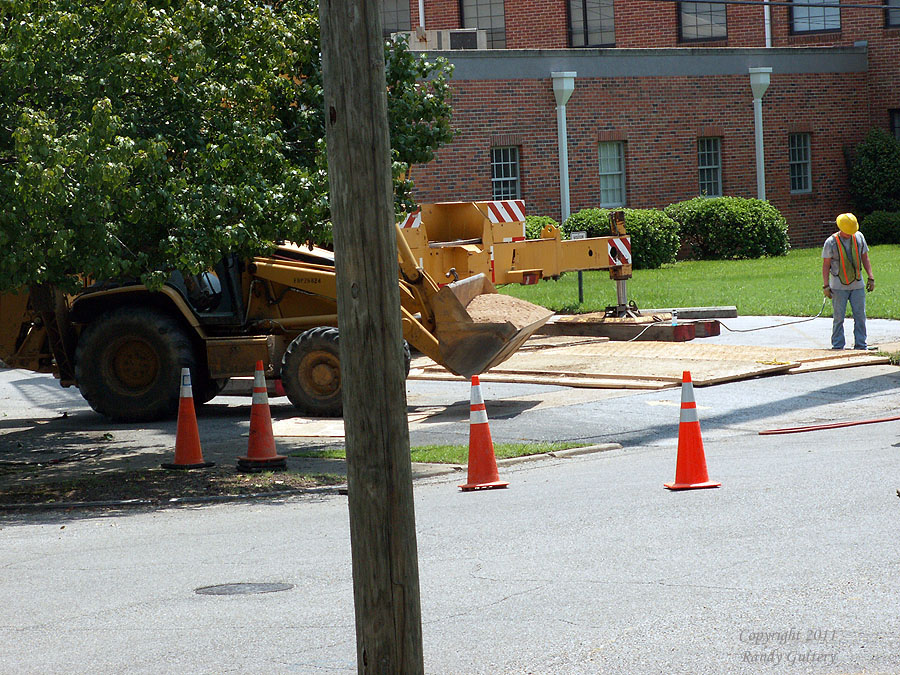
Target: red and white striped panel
622,247
412,220
511,211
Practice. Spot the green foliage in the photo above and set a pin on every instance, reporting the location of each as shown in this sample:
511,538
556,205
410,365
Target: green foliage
534,225
140,136
881,227
724,228
654,236
875,173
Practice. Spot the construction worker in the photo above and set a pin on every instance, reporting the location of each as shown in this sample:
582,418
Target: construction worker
844,255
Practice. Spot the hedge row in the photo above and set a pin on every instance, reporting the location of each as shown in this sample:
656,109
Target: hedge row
702,228
881,227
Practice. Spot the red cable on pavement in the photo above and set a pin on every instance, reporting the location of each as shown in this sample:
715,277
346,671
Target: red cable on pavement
833,425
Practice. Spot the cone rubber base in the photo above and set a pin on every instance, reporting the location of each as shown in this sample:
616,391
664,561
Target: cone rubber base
691,486
199,465
276,463
483,486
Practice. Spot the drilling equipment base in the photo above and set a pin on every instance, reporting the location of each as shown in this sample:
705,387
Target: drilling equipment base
657,327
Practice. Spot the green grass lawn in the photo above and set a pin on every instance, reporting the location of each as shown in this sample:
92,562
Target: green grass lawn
453,454
789,286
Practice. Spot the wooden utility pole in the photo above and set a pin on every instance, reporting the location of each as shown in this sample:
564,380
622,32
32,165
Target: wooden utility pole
379,472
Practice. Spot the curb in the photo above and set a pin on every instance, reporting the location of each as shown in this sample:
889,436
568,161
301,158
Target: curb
327,490
174,501
557,454
586,450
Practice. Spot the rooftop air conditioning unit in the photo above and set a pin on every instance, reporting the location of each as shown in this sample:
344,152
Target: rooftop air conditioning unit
443,40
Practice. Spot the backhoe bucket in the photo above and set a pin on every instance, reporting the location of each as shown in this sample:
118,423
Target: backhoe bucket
478,328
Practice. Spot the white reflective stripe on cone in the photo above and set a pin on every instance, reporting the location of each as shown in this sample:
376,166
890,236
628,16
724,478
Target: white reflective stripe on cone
689,415
259,379
260,397
478,415
477,398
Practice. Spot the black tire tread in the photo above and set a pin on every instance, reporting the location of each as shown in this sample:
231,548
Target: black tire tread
163,401
315,338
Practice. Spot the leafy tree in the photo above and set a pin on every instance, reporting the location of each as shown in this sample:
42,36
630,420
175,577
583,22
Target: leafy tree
140,136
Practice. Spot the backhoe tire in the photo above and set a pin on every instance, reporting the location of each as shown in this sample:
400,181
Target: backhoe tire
128,364
205,389
311,372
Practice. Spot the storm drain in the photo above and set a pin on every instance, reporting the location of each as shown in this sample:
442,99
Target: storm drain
242,589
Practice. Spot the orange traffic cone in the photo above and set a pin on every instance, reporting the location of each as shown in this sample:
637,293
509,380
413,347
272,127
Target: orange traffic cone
482,463
188,454
261,446
690,471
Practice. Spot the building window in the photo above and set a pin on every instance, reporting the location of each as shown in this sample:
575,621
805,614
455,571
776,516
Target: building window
895,123
807,19
395,16
505,173
702,21
801,166
709,164
612,173
892,16
486,15
591,23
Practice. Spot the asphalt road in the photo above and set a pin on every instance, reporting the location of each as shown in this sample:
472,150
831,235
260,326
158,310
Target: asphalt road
583,565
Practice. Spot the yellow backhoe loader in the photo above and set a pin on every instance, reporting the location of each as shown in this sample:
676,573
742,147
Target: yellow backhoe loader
123,346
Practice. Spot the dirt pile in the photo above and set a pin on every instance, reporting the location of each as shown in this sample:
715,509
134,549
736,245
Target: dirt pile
498,308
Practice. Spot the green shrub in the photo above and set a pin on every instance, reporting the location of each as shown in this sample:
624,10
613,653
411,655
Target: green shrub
534,225
881,227
875,173
723,228
654,236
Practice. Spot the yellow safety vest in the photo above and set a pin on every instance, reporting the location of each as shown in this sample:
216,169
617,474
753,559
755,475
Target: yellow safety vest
849,265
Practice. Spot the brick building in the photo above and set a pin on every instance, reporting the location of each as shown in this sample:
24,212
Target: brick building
661,105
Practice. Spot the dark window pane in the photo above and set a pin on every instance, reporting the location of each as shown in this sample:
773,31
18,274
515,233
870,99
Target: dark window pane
591,23
487,15
703,21
395,15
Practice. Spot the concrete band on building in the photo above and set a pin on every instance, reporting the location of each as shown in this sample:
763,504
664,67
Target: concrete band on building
646,112
537,64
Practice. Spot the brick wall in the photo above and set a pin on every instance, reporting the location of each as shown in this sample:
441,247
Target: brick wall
536,25
660,119
439,14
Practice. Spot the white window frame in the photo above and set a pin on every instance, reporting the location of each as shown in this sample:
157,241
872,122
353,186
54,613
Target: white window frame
806,19
894,122
505,172
800,162
611,158
709,165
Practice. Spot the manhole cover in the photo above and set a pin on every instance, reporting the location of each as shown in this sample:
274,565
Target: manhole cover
242,589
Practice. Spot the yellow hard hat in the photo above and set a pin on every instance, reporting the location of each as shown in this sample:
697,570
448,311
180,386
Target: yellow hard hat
847,224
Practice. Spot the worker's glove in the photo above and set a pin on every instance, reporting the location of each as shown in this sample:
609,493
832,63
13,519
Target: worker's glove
870,284
827,291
